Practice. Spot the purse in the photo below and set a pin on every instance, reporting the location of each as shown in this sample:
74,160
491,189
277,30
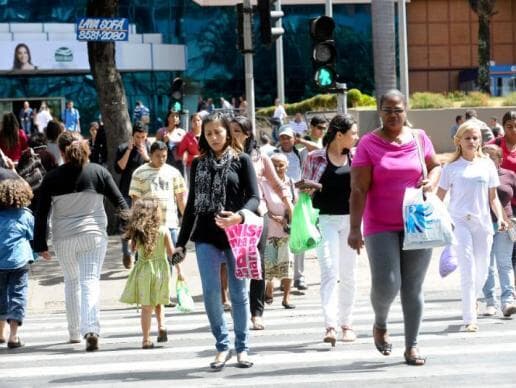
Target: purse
511,232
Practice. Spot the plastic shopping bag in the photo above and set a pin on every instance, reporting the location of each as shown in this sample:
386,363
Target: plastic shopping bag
448,261
304,234
185,303
426,221
243,240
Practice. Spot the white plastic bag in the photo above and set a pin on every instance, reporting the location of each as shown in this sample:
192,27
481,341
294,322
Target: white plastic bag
426,221
448,261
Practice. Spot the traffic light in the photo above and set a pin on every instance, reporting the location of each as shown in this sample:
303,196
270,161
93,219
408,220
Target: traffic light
324,53
268,18
176,95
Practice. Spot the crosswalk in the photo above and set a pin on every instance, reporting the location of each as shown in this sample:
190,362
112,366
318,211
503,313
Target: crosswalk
288,352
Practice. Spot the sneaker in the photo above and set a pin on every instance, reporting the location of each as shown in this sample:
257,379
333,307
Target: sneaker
127,260
509,309
92,342
490,311
300,285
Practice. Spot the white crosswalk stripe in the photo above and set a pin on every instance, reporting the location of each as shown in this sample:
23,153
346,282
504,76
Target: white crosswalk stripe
289,351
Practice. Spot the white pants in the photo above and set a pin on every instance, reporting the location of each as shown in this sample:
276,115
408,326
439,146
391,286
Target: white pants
474,240
338,271
81,259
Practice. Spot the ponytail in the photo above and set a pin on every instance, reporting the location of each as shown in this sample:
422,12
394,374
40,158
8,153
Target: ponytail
76,151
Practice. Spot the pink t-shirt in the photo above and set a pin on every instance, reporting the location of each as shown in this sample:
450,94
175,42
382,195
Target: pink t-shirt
394,168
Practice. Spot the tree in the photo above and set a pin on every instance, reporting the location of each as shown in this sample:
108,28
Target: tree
384,48
108,82
485,10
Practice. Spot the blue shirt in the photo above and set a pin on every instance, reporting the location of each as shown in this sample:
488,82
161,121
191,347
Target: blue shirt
16,230
70,119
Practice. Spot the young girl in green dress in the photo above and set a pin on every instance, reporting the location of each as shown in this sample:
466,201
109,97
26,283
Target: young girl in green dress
149,281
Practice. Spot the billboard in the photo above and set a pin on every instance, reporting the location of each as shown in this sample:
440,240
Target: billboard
30,57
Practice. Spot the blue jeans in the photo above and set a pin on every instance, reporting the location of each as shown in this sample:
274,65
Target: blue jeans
13,294
501,254
209,260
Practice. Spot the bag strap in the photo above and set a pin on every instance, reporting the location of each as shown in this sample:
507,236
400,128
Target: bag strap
417,138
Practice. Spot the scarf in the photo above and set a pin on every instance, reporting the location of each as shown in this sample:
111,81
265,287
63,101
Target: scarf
210,182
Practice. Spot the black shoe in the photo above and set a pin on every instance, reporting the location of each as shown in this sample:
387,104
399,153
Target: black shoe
14,345
127,260
162,336
92,342
288,306
300,285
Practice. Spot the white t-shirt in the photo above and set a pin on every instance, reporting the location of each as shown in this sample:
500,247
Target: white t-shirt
279,113
469,184
42,119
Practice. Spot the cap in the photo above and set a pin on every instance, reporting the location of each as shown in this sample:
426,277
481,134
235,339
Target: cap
286,130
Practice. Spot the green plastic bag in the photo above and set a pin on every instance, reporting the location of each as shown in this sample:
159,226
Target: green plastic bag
304,233
185,303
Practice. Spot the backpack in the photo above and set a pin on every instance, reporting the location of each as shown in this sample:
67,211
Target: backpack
31,169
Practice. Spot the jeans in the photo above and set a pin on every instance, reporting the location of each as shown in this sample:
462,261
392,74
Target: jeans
338,271
81,260
501,254
393,270
209,260
474,241
14,284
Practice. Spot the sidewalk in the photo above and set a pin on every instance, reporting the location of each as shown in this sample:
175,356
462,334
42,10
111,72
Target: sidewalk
46,287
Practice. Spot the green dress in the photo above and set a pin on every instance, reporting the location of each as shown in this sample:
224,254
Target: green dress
149,281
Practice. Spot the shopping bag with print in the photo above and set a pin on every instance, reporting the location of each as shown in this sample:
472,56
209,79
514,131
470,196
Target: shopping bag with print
243,240
185,302
427,223
304,233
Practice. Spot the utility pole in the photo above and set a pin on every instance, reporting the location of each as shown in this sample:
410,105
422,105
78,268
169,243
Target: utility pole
328,8
248,58
280,74
402,42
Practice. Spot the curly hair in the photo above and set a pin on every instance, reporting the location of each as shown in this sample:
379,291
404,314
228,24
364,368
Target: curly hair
144,222
15,194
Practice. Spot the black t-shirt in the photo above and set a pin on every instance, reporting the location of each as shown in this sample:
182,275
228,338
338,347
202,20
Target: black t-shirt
333,199
135,160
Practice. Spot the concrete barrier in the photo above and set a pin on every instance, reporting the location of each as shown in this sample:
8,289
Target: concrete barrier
436,122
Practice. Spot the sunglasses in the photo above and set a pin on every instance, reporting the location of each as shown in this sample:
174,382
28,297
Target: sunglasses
395,111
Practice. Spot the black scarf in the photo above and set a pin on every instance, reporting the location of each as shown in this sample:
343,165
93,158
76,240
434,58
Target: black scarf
210,182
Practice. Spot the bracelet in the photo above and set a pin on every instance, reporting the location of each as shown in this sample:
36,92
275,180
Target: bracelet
241,214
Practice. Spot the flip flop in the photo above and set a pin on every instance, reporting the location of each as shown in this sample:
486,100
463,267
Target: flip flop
147,344
383,347
257,323
243,363
217,366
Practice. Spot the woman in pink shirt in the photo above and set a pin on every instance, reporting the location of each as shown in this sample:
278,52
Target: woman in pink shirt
12,139
385,164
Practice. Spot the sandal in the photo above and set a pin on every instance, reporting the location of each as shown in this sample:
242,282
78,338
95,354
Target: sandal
15,344
414,359
147,344
257,323
330,336
220,360
162,335
348,334
242,361
288,306
383,347
269,299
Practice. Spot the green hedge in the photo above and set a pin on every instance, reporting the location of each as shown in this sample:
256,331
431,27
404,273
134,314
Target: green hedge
473,99
426,100
510,100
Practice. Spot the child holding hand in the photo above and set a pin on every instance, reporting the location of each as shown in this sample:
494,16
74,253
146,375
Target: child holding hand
16,232
148,283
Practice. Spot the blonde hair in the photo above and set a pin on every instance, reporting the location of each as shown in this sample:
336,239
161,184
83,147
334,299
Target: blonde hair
465,127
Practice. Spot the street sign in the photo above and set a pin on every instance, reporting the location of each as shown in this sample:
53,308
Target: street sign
102,29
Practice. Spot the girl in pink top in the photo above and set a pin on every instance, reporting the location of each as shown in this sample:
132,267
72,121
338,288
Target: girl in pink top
385,164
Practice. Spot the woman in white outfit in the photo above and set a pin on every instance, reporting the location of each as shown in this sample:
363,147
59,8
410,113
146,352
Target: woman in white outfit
472,179
331,166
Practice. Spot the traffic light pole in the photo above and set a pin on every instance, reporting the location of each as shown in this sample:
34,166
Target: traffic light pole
248,62
342,97
280,74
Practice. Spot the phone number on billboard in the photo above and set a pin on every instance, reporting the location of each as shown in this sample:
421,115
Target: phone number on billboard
102,35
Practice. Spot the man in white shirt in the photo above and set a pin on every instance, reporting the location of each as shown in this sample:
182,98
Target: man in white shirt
299,124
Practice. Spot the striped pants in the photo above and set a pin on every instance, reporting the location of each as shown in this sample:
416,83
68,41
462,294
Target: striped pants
81,259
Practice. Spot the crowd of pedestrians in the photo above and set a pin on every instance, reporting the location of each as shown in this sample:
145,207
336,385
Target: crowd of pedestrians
192,185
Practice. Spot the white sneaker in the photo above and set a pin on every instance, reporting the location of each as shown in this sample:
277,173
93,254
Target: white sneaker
490,311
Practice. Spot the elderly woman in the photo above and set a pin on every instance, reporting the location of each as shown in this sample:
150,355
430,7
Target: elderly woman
386,163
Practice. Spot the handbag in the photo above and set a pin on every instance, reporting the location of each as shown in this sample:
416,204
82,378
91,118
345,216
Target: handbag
511,232
426,221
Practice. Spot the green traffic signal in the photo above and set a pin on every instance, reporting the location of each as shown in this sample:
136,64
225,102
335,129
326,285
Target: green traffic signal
324,77
176,107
